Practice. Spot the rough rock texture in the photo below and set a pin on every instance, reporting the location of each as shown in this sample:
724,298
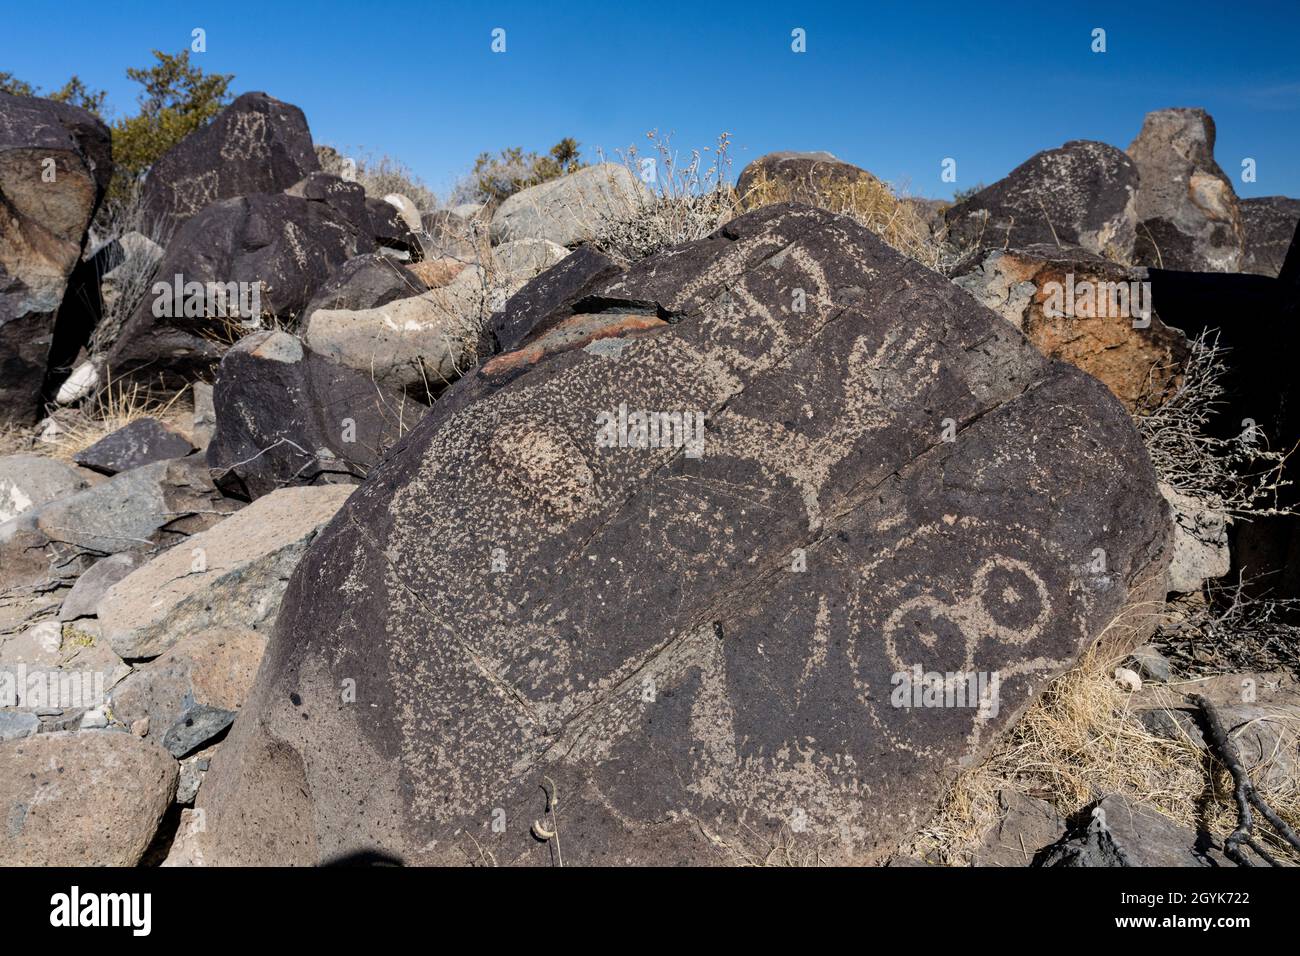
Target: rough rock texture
1270,223
255,145
83,600
232,575
207,674
364,283
27,481
648,649
570,209
142,442
1188,216
54,167
93,798
287,416
142,509
1080,194
1200,550
1085,310
1025,825
810,177
287,245
1117,831
550,295
418,342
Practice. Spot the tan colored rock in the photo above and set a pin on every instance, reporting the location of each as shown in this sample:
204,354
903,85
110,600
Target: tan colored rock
1085,310
232,575
93,798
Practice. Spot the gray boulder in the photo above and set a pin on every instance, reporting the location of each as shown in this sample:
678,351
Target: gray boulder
55,163
27,481
83,600
257,144
144,509
681,648
570,209
1081,194
1188,215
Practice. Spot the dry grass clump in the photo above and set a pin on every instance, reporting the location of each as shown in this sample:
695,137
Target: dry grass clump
114,406
866,200
1081,741
687,200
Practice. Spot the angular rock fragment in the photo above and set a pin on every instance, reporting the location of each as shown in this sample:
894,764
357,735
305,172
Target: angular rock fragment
232,575
1082,309
142,442
287,416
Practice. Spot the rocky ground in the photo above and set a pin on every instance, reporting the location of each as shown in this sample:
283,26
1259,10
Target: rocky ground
795,523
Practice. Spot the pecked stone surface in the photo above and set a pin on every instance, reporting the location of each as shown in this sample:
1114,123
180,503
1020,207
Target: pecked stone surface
648,651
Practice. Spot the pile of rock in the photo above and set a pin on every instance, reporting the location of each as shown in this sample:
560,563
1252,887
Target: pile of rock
758,540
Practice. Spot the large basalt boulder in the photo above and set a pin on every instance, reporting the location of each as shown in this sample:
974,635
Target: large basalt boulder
553,294
1270,223
547,622
1081,194
257,144
284,246
570,209
55,163
287,416
1085,310
1187,211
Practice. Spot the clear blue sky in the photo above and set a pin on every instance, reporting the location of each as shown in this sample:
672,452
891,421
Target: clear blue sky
894,87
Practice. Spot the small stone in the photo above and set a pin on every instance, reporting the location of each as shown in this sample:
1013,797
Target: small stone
1151,663
140,727
94,719
1128,679
17,724
198,726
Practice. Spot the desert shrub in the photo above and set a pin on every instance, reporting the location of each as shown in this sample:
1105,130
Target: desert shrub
177,99
378,176
961,195
869,202
687,201
498,177
73,92
1239,476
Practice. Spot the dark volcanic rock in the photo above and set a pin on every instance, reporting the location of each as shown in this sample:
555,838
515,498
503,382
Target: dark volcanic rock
284,245
255,145
364,283
1270,223
287,416
143,441
1080,194
55,163
549,297
1116,831
1188,217
690,653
